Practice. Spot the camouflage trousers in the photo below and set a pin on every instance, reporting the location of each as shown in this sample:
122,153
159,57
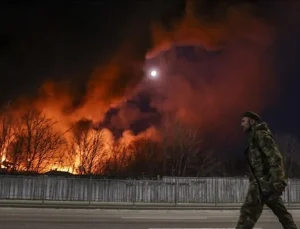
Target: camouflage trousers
252,209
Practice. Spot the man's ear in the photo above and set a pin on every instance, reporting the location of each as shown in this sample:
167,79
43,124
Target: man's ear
252,121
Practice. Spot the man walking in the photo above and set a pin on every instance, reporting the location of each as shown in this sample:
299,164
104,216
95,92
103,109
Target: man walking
266,175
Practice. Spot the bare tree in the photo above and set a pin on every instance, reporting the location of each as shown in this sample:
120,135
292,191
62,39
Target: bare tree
232,165
15,153
89,146
66,158
119,160
147,158
206,163
289,146
6,131
6,134
183,151
36,142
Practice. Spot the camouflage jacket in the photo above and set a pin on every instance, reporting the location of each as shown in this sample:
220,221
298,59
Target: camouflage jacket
264,158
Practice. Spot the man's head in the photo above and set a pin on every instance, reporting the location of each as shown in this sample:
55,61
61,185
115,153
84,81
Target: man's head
249,119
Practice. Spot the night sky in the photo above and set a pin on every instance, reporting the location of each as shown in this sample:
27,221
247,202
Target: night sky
65,42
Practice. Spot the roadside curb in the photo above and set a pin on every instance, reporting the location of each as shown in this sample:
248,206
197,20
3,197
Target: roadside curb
125,206
120,207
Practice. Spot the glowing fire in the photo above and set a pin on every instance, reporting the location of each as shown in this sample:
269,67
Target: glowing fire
1,162
77,155
64,169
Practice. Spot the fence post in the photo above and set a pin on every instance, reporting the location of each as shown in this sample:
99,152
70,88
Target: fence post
176,191
216,192
90,190
107,190
134,192
44,185
289,192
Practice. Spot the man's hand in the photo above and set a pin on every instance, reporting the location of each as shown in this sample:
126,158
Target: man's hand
272,187
266,187
279,186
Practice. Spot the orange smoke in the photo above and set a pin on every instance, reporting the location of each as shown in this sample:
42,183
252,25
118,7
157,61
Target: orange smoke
239,77
238,23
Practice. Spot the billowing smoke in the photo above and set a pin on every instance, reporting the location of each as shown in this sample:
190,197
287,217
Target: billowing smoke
234,71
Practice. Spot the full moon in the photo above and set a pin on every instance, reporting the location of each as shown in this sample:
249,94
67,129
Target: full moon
153,73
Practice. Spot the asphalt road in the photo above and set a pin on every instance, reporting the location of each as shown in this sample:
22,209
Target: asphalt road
24,218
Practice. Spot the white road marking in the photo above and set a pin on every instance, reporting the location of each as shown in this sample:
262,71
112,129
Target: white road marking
165,217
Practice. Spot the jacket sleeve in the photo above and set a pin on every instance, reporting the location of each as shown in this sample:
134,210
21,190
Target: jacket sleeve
251,177
268,146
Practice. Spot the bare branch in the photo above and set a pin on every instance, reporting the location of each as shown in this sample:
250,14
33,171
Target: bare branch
36,142
147,158
119,159
89,146
6,134
181,148
289,146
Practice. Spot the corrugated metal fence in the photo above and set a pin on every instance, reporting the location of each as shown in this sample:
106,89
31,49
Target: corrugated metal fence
167,190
